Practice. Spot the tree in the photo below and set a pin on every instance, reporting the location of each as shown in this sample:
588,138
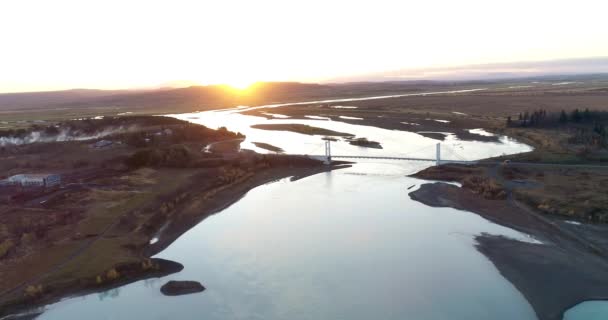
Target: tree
587,114
576,116
5,247
112,274
525,119
563,118
33,291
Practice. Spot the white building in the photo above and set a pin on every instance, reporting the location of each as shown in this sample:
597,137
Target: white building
35,180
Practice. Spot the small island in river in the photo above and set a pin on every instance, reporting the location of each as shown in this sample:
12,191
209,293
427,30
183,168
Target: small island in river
178,288
363,142
268,147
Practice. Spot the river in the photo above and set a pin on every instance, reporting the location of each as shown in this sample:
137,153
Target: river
348,244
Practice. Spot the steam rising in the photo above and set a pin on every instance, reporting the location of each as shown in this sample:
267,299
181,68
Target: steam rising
63,135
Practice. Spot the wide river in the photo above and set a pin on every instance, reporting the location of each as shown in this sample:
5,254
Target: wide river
348,244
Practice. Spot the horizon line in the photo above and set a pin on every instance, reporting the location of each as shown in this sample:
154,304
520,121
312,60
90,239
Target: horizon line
383,75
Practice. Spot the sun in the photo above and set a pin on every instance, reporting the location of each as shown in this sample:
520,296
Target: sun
240,85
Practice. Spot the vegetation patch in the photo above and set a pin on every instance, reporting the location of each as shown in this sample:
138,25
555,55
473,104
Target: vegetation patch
363,142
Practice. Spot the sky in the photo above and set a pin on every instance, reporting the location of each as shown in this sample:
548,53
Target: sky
109,44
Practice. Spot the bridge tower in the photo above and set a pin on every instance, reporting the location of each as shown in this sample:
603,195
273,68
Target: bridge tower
327,150
438,155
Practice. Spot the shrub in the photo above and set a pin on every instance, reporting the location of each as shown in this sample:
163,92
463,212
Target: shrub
147,264
33,291
27,238
112,274
5,247
3,231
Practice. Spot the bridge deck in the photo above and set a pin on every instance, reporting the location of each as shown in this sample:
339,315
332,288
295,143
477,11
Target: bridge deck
384,157
394,158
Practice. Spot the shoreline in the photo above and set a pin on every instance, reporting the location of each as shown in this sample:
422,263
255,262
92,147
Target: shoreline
76,288
553,276
181,221
196,214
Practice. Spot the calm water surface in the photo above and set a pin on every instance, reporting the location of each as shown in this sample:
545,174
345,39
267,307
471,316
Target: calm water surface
348,244
589,310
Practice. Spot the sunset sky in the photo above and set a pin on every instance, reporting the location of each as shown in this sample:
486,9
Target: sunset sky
106,44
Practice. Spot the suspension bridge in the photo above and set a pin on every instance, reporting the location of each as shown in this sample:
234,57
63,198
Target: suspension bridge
328,156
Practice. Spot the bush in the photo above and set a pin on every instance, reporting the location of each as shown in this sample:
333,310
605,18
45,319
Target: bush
27,238
172,156
5,247
485,187
147,264
4,231
112,274
33,291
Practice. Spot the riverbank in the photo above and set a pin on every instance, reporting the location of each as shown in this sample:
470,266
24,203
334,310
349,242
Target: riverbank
556,270
175,214
123,180
203,205
32,303
553,194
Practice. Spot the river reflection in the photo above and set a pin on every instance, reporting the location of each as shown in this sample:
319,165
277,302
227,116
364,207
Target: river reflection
110,294
588,310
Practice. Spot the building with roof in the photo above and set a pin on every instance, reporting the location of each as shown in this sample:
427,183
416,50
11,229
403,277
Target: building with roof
35,180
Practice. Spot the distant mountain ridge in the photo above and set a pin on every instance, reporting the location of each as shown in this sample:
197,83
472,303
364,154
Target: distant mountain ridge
89,102
192,98
178,97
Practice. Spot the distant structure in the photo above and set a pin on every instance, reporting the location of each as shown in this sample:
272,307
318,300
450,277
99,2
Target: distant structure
35,180
438,154
327,150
